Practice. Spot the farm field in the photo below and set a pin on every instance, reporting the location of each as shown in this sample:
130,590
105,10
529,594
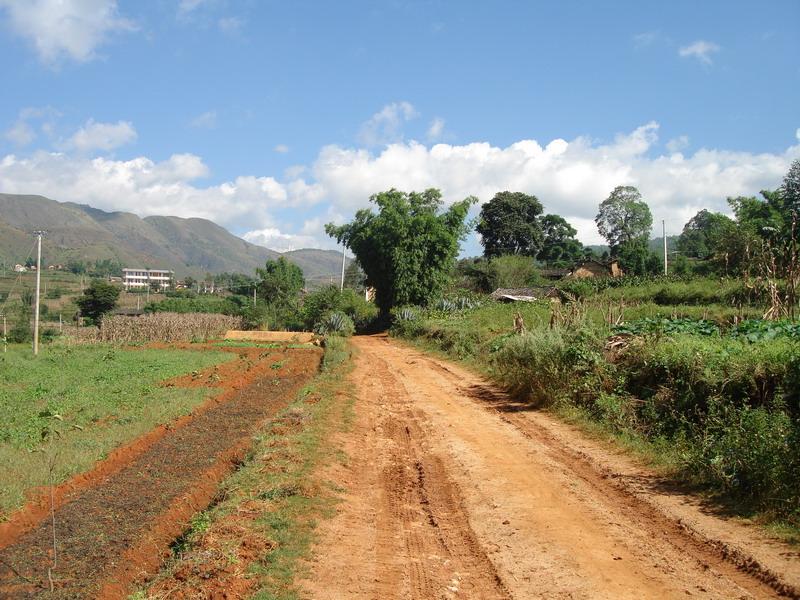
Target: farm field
74,404
140,495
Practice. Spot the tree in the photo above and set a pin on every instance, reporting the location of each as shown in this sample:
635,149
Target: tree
98,299
703,234
509,224
790,190
408,247
623,218
559,245
281,282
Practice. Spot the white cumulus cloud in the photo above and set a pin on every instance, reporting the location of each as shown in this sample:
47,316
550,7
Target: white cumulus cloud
65,28
570,177
386,125
274,239
101,136
701,50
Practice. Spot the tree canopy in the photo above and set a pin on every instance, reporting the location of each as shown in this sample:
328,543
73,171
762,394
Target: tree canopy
509,224
98,299
559,245
703,234
281,281
623,217
408,246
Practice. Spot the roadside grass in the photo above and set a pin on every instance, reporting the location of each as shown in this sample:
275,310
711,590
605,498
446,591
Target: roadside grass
71,405
273,501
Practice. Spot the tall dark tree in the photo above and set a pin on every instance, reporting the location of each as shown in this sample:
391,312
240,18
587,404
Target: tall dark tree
407,248
559,245
281,282
97,300
703,234
509,224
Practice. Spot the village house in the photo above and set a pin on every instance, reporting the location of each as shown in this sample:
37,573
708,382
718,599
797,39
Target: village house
142,278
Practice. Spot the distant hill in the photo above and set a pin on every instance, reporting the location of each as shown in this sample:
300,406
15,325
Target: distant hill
656,245
187,246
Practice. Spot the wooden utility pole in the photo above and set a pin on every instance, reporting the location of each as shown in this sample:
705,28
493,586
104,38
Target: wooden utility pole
39,235
664,235
5,335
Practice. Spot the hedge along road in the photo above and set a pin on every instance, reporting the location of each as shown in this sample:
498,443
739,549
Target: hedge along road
452,490
114,533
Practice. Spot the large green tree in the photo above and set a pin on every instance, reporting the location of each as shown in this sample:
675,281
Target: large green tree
97,300
703,234
509,224
559,245
624,218
280,282
408,246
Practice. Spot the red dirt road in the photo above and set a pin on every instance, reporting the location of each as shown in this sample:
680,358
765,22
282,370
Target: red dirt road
454,491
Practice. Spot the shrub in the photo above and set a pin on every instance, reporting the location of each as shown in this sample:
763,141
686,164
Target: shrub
335,323
545,364
329,299
751,453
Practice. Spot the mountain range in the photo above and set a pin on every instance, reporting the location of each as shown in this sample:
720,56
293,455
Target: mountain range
187,246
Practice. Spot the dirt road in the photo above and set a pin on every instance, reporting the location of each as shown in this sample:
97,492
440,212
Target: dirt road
451,490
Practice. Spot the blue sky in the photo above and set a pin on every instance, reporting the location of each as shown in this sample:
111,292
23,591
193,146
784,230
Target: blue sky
274,118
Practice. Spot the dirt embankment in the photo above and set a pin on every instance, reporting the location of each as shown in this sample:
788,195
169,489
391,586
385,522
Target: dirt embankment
455,491
115,526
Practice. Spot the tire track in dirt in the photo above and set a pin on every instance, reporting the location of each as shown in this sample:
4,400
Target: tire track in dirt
113,533
401,530
551,522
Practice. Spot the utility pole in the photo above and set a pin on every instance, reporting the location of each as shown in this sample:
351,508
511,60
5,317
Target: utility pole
341,288
254,295
664,235
39,235
5,335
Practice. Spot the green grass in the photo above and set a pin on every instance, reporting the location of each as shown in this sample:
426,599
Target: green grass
71,405
280,475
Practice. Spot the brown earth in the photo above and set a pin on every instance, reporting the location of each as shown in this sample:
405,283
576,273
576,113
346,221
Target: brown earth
453,490
114,527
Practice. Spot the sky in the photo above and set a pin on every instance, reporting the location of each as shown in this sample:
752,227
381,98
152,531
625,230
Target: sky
274,118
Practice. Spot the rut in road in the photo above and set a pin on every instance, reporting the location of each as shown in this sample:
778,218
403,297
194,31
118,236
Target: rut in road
447,498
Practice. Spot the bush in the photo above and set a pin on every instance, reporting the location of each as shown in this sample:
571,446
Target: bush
544,365
21,332
335,324
751,453
188,304
329,299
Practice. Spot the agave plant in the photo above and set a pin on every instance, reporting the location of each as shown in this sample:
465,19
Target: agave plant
335,323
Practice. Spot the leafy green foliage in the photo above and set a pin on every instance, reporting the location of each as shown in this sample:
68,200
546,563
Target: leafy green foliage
98,299
335,323
667,326
560,247
202,304
329,299
703,234
509,224
408,247
623,218
281,282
